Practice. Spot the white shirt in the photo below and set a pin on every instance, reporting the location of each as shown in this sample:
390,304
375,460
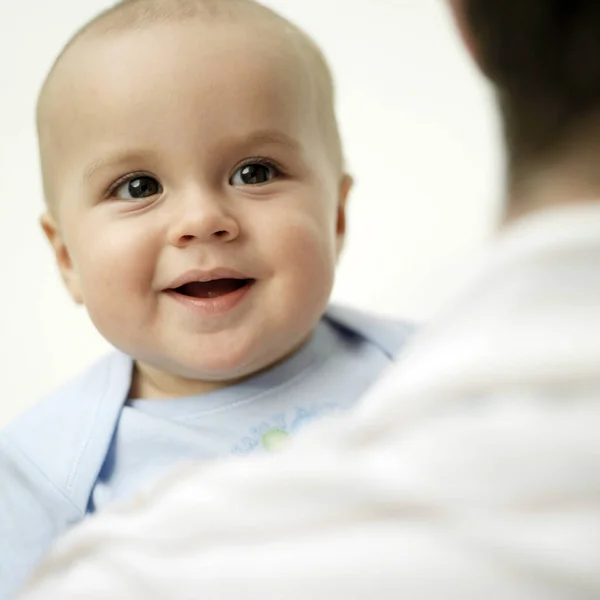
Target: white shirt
471,471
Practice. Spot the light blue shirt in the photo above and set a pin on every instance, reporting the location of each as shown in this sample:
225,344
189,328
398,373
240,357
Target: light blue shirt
86,446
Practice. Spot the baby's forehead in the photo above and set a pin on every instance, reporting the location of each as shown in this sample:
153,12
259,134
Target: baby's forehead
229,47
222,53
151,86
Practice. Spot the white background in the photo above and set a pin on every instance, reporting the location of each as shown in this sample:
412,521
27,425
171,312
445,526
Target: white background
420,134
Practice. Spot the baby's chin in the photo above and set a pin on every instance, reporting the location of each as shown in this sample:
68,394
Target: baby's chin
201,372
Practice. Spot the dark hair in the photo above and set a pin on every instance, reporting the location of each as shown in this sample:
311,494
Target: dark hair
544,58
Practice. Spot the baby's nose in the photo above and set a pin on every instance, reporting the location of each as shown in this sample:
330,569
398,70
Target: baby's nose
208,222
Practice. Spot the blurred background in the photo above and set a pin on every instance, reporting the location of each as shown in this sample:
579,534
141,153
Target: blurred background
420,136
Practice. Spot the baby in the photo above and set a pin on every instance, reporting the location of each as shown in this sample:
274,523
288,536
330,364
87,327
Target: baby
196,205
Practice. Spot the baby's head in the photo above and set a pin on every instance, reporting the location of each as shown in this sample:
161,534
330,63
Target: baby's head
195,188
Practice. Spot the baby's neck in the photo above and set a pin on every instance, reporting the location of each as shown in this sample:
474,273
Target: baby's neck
149,384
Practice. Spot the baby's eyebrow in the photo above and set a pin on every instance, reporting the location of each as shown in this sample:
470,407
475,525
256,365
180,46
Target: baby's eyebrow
131,156
113,160
269,136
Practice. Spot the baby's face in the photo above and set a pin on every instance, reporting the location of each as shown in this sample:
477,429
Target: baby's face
199,214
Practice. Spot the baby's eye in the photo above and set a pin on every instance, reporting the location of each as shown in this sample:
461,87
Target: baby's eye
138,188
254,174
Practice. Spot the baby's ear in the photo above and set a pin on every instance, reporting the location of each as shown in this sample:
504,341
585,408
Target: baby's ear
62,256
346,184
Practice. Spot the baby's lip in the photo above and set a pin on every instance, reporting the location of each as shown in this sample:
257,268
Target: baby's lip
197,275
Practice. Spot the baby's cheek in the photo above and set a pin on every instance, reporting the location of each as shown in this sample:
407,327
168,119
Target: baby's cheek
305,236
116,268
305,256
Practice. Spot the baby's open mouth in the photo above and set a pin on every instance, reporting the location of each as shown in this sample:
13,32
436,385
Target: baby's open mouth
212,289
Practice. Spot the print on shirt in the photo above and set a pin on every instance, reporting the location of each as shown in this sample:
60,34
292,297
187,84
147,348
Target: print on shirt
272,434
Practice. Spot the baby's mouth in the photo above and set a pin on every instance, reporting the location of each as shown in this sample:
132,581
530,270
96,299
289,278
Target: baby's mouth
212,289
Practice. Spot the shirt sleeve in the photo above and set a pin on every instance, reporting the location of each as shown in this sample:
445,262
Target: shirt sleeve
32,514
